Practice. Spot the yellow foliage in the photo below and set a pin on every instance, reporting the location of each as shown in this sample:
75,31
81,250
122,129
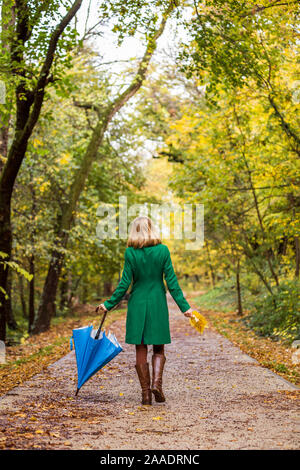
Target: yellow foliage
37,143
44,186
65,158
198,321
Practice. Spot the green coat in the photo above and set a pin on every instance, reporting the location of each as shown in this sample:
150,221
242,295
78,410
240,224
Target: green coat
148,315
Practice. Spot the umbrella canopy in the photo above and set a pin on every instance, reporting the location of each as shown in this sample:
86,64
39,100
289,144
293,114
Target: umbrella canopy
93,351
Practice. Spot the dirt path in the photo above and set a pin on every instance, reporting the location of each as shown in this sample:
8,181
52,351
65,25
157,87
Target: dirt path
217,398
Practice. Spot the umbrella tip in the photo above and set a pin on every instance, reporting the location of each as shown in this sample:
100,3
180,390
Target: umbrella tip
76,392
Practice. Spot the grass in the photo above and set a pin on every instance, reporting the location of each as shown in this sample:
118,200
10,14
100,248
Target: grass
218,297
276,356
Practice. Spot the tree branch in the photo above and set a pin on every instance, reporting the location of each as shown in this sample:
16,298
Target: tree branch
141,73
259,8
261,187
92,106
286,127
19,144
42,80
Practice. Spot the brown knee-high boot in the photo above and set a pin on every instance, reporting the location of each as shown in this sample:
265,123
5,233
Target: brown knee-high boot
144,378
158,362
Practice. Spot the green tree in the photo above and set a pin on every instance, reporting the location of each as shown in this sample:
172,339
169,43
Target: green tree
28,51
104,115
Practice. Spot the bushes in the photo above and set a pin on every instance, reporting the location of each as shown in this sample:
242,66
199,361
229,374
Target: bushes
278,315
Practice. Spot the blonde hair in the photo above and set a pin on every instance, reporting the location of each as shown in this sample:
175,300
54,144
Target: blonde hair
143,233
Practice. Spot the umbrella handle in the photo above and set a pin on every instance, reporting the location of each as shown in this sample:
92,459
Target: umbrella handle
99,329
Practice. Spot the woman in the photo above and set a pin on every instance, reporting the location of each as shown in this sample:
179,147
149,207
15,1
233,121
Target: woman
147,322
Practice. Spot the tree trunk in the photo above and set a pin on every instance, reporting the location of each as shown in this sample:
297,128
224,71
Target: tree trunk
74,287
8,19
28,107
84,287
212,273
238,289
249,255
11,322
297,248
291,133
64,287
22,296
47,304
269,253
258,272
3,145
5,247
31,309
99,285
107,289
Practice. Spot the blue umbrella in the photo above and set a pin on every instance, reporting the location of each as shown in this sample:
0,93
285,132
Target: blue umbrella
93,351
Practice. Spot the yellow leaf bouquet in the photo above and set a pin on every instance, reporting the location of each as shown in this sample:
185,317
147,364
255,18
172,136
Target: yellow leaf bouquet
198,321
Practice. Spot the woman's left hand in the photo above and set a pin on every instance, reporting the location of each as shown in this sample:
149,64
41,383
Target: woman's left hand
101,307
188,313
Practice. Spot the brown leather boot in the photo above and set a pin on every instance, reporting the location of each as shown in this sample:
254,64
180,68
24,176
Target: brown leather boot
158,362
144,377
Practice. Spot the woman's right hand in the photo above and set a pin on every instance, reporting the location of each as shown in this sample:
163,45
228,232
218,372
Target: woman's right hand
101,307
